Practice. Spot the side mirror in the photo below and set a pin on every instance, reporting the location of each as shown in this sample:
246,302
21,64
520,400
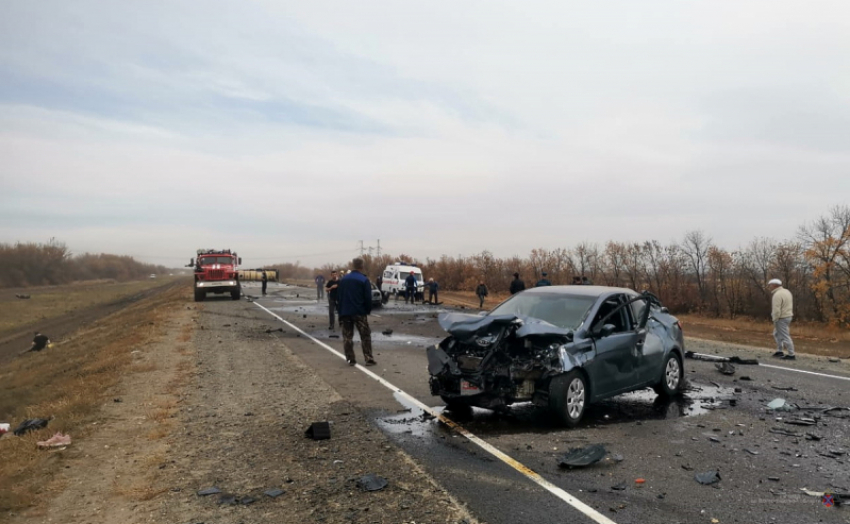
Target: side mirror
191,262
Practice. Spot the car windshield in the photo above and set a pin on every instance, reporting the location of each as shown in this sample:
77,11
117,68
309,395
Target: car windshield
208,261
564,311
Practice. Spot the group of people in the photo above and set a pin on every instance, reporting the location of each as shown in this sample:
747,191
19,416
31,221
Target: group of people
351,297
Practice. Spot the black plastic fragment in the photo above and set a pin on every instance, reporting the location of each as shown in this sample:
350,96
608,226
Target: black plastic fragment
581,457
247,500
371,482
208,491
273,493
318,431
725,368
227,499
30,425
619,487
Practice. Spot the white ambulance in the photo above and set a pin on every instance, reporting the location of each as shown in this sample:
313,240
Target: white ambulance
395,275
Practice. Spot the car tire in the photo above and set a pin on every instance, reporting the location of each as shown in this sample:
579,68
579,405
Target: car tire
234,295
200,295
569,397
672,376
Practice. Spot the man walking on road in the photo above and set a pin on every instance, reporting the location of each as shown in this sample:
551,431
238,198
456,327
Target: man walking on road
432,291
331,286
355,303
265,281
782,310
517,285
481,291
320,287
410,288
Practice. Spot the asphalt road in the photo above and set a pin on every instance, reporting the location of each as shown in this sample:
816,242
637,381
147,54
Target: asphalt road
722,424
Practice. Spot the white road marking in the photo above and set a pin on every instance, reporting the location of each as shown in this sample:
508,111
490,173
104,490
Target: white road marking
530,474
803,371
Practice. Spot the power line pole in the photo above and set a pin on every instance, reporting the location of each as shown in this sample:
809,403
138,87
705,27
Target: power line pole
379,247
362,249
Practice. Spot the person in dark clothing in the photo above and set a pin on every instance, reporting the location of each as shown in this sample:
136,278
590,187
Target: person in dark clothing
481,291
410,288
355,304
379,283
432,291
576,280
517,284
331,287
586,281
39,342
543,281
265,281
320,287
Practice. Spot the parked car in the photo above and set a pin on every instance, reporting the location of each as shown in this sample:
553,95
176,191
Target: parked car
564,347
153,275
377,297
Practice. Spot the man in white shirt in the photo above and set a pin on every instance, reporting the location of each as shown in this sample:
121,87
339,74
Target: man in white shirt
782,310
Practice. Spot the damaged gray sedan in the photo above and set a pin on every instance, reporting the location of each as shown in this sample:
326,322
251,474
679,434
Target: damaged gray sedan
564,347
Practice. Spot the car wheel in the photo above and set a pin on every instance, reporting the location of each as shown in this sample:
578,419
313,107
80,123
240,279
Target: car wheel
568,397
200,295
455,404
234,295
672,377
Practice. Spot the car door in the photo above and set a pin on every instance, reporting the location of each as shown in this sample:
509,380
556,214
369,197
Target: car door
651,352
614,365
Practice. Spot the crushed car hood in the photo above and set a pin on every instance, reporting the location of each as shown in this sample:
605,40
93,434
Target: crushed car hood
464,326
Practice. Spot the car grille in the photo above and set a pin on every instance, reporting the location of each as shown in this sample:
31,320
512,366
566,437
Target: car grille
215,274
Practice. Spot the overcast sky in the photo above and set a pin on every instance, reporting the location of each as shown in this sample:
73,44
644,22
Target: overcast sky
292,130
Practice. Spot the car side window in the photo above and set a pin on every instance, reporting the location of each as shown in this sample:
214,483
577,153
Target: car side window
620,319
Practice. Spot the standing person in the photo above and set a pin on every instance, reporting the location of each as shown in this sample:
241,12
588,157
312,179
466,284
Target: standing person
481,291
379,283
517,284
355,303
586,281
782,310
331,286
265,281
410,288
543,281
320,286
576,280
432,291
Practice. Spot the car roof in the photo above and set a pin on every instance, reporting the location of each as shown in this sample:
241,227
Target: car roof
581,291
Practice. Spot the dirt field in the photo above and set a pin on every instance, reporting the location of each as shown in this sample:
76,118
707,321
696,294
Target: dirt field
167,397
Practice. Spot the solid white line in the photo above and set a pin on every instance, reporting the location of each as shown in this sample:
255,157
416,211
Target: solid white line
531,475
804,371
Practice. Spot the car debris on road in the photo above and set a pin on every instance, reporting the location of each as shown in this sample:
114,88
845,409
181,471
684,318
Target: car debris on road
581,457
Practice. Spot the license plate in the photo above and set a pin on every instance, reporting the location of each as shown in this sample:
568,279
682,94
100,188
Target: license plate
468,389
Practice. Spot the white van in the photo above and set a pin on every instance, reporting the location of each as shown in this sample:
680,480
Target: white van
394,276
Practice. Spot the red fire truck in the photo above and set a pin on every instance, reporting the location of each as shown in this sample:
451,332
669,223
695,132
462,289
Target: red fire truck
215,272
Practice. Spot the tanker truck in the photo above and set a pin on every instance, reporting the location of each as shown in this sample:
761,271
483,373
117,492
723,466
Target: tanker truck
215,272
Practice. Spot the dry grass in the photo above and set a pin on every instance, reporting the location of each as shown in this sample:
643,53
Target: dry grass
70,383
53,301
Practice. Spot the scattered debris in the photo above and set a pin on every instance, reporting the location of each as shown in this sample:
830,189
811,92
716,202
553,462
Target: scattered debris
581,457
4,428
270,330
726,368
619,487
785,432
247,500
208,491
779,404
837,412
744,377
751,452
227,499
707,478
834,360
273,493
785,388
24,297
29,425
387,332
616,457
371,482
58,440
640,481
773,479
813,436
717,358
802,422
318,431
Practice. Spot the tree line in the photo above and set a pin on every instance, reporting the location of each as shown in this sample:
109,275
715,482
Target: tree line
693,275
52,263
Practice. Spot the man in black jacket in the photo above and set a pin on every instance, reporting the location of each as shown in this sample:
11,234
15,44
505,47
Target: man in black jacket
355,303
517,285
